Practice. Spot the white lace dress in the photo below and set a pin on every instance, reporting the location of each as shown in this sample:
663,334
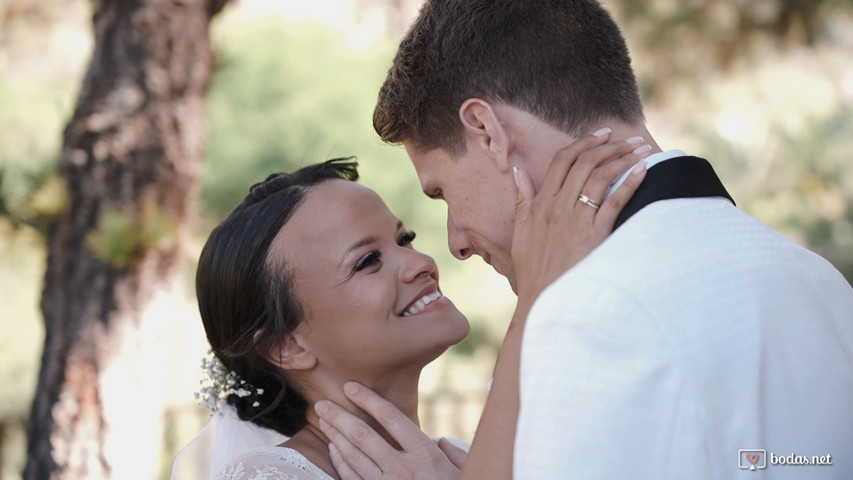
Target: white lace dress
281,463
274,463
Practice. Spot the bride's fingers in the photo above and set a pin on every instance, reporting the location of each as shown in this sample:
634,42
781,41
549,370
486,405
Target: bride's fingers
612,207
598,168
598,184
567,174
526,193
554,231
566,158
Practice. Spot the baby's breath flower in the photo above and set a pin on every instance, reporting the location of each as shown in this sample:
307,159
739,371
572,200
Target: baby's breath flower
219,382
240,392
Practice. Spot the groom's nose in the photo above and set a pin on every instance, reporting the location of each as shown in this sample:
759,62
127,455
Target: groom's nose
459,243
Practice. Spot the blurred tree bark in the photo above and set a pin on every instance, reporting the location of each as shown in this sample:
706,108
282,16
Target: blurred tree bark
130,162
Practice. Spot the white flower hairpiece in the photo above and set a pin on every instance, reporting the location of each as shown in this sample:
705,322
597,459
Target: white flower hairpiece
219,382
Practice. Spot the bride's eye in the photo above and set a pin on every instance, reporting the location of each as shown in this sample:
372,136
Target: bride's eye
371,258
406,238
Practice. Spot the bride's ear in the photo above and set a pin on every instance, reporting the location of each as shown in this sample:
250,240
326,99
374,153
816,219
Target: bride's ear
292,353
484,131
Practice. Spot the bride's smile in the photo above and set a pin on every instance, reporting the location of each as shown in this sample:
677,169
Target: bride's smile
356,274
420,303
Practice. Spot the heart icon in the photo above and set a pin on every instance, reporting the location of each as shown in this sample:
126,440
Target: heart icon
752,457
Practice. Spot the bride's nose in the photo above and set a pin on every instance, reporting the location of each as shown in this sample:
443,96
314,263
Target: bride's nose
416,264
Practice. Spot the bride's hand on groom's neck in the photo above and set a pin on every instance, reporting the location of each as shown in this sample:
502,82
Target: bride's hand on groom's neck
568,217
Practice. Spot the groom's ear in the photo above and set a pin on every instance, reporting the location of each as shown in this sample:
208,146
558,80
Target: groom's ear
291,353
484,131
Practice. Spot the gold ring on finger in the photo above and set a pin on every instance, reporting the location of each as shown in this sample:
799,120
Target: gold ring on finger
584,199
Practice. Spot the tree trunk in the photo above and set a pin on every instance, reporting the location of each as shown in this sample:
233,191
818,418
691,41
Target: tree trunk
130,161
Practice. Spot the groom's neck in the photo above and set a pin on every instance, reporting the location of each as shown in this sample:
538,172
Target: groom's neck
621,131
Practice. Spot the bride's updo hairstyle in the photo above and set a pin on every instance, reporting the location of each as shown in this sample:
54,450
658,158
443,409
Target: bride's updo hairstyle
247,302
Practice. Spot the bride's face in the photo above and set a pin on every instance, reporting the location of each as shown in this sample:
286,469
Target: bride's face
372,303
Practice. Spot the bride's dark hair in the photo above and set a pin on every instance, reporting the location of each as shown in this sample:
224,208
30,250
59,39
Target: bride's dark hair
247,302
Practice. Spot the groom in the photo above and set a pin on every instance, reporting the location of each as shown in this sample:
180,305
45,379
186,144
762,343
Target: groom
694,342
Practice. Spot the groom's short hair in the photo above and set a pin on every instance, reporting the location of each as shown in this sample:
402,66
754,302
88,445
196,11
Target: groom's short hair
564,61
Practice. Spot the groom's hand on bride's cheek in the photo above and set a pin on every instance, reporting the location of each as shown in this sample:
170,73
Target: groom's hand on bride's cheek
359,452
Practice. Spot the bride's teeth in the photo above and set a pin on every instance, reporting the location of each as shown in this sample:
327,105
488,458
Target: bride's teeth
421,304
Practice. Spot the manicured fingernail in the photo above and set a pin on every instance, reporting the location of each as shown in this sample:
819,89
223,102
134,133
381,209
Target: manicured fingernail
324,424
639,168
634,140
600,133
321,407
351,388
333,450
644,149
515,175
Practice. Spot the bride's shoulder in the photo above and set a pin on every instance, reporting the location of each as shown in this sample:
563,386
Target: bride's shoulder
275,463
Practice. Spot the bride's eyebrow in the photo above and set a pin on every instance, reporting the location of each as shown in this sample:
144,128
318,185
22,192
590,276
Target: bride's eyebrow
364,241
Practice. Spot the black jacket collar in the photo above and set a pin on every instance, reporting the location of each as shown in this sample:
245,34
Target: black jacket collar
681,177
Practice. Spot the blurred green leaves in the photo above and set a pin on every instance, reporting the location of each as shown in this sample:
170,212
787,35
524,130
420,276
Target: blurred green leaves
700,36
283,98
122,237
33,196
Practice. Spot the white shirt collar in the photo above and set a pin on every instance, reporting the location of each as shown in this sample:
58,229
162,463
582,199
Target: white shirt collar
651,161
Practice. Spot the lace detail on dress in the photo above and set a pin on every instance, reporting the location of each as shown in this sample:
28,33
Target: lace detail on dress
277,463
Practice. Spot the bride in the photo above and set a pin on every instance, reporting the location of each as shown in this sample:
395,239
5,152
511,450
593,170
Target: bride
309,283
